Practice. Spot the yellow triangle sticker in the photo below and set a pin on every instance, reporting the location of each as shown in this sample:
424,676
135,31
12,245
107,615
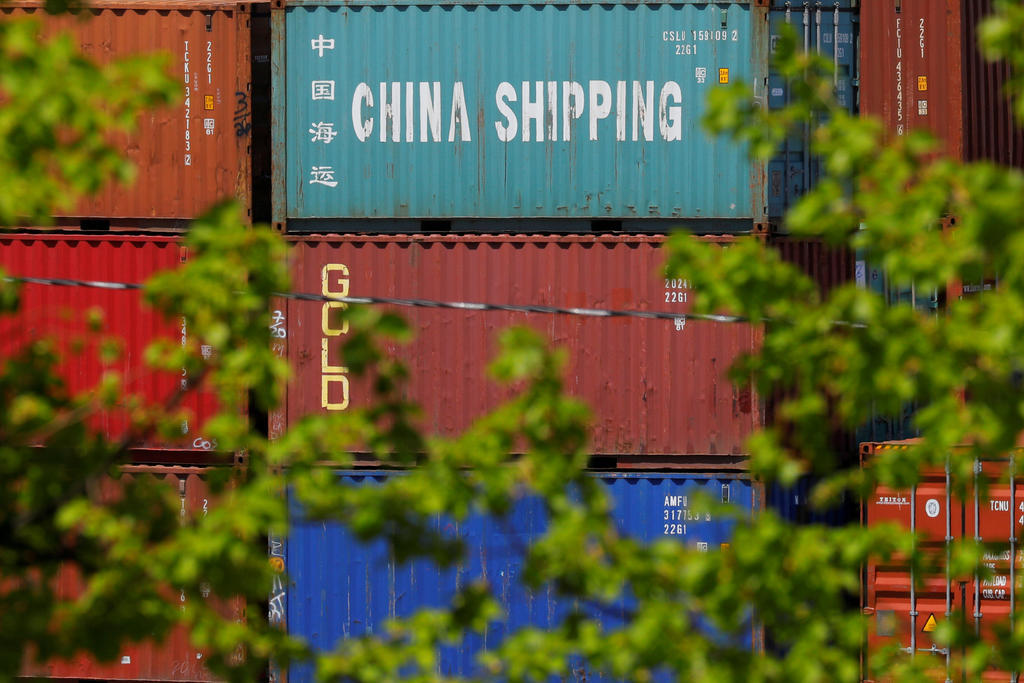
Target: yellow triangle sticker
929,625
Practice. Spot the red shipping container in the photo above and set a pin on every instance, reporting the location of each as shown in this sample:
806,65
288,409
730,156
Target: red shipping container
175,659
921,69
828,266
991,512
195,152
62,314
658,388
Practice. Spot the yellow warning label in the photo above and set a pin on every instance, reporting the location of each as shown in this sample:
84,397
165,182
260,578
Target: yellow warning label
723,75
922,83
208,99
929,625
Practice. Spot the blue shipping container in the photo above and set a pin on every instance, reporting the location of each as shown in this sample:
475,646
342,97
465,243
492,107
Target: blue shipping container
829,31
403,110
340,588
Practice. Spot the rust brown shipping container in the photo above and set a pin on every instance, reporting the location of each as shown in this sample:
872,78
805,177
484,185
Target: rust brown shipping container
174,659
905,610
63,315
921,69
829,267
658,388
195,152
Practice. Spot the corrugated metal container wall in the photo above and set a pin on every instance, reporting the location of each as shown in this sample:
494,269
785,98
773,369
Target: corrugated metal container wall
992,512
173,660
990,130
658,388
828,266
832,32
923,69
536,110
62,314
340,588
193,153
911,68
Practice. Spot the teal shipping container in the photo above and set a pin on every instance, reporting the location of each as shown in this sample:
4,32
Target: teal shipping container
399,110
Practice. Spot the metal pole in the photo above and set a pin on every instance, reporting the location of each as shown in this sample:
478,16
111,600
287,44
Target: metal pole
977,539
1013,544
807,125
913,589
949,557
785,148
835,48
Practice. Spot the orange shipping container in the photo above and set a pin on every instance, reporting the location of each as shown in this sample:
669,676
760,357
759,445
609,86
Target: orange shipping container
197,151
175,659
904,610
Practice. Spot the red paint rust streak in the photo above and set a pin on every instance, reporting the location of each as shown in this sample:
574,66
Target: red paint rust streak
195,152
61,314
175,659
653,388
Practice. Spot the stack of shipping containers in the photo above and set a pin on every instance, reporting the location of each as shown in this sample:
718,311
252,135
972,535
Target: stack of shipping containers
925,71
188,156
528,154
523,154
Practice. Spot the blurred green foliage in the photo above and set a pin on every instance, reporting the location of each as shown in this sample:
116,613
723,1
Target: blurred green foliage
834,360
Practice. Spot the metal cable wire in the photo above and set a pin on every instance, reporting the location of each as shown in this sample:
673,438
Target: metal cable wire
679,318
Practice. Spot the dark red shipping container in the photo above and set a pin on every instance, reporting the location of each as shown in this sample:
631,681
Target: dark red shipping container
921,69
175,659
992,512
195,152
63,314
828,266
658,388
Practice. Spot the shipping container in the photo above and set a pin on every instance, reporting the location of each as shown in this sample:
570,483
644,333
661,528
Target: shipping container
175,659
188,155
829,266
829,30
64,315
338,587
531,111
658,388
905,609
921,69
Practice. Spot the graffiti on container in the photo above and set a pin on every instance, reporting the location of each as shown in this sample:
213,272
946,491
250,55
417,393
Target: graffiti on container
277,328
243,124
334,387
189,668
278,593
204,444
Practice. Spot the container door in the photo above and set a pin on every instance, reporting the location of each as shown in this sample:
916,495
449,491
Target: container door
832,33
908,608
995,515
